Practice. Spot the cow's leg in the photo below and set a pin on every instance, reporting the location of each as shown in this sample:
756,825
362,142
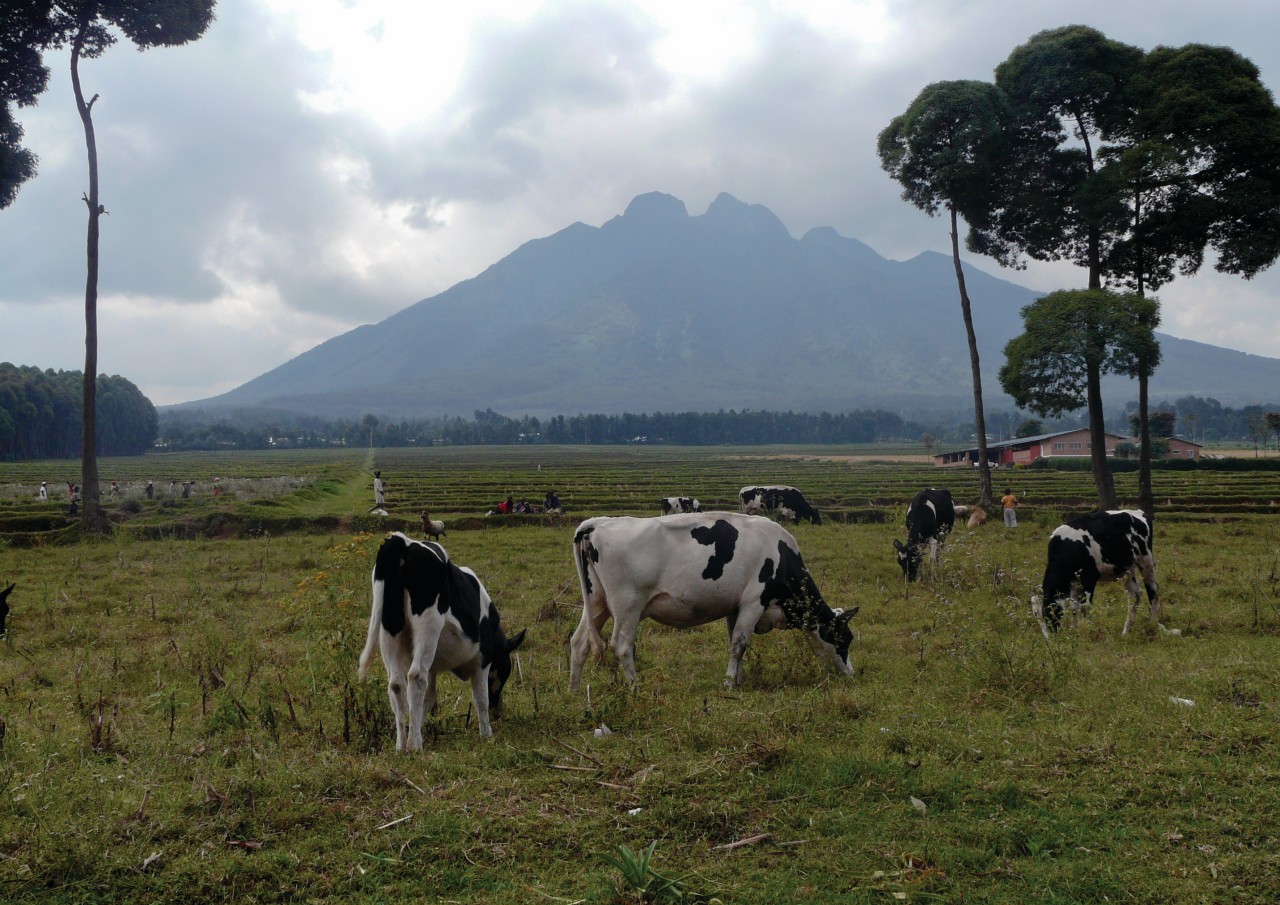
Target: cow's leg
1131,588
626,625
395,657
586,637
480,698
746,618
426,636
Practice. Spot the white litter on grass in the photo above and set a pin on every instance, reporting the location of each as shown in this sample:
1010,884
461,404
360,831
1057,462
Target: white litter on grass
1185,702
603,731
634,811
919,805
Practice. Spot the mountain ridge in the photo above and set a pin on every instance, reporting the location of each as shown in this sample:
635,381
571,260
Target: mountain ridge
660,310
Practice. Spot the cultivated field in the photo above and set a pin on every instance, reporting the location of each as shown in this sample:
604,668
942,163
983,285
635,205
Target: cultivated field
181,720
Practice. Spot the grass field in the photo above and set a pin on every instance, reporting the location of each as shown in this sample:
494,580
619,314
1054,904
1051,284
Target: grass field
181,719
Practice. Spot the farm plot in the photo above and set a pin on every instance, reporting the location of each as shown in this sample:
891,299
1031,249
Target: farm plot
181,717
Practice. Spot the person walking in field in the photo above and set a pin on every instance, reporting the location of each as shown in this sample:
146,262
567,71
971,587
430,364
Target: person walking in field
44,492
379,492
1009,503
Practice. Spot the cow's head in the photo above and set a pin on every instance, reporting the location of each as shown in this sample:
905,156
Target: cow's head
500,669
831,641
909,558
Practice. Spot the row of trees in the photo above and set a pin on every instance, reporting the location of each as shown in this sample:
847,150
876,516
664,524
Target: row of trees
41,416
1130,164
193,430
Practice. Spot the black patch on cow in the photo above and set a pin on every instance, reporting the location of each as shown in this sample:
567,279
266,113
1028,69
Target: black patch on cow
724,537
4,607
586,551
775,498
791,588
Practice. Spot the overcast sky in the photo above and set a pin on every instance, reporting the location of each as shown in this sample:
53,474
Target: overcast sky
313,165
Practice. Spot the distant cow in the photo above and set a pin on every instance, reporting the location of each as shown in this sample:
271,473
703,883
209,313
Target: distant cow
690,569
1111,545
429,616
4,607
976,515
672,504
930,517
787,502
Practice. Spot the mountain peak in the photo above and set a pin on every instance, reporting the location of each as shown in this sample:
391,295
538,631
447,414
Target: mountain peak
655,207
729,214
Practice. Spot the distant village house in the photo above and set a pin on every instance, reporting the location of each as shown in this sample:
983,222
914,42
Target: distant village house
1025,450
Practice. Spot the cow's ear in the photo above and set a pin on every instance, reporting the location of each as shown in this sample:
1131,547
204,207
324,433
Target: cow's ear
513,643
897,545
844,617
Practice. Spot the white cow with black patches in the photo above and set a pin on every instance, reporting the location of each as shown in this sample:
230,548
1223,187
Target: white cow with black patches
431,616
691,569
1111,545
930,518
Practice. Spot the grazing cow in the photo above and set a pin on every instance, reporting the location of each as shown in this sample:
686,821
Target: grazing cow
672,504
787,502
1111,545
4,607
690,569
429,616
930,518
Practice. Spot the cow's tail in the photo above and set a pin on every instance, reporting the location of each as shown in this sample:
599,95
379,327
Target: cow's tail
386,573
586,631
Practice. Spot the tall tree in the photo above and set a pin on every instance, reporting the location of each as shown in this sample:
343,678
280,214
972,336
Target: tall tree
1132,165
942,150
1070,339
87,28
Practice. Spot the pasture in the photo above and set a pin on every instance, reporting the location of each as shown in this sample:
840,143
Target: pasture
181,720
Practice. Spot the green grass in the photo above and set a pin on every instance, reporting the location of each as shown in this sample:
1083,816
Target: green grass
182,722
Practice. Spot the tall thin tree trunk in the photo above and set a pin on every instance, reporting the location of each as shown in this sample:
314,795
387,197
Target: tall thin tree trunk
1146,494
979,417
92,519
1098,441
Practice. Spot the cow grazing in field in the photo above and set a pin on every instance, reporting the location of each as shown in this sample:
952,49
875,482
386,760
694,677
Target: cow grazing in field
1111,545
691,569
787,502
430,616
680,504
4,607
930,517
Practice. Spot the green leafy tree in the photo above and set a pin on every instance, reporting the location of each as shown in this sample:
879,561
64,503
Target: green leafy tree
1273,422
942,150
1162,423
25,27
87,28
1030,428
1132,165
1070,339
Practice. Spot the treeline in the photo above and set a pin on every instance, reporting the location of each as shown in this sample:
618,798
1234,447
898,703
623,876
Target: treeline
41,415
1206,420
195,430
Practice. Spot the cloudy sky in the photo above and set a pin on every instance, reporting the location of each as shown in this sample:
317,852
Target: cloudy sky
312,165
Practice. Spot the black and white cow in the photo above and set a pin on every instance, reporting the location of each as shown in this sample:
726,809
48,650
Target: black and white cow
429,616
691,569
4,607
1110,545
672,504
787,502
930,517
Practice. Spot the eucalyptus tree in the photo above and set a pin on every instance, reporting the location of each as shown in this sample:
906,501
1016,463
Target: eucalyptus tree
1132,165
1070,339
87,28
942,150
24,29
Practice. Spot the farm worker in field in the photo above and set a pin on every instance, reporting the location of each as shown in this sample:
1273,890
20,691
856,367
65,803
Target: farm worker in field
151,490
217,486
75,500
551,503
44,492
1009,503
186,489
506,506
115,489
379,490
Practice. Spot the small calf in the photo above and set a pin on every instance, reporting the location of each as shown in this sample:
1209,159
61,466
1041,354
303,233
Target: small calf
429,616
4,607
431,527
